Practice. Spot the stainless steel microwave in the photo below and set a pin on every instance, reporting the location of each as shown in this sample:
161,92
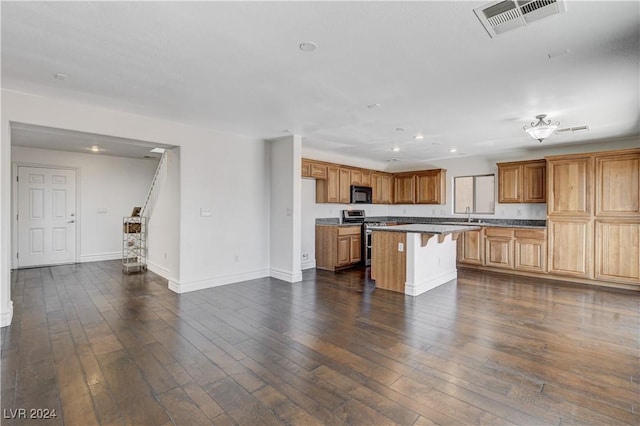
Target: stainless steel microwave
361,194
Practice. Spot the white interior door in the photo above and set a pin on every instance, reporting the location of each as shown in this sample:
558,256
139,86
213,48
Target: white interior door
46,216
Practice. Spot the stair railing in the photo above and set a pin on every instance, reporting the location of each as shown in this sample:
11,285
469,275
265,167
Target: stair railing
156,184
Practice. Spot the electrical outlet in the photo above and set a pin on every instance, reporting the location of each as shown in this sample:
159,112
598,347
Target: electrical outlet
236,258
433,212
404,211
518,212
305,256
400,247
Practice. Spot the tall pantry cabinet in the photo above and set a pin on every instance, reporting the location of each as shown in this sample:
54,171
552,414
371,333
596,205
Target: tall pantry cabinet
593,209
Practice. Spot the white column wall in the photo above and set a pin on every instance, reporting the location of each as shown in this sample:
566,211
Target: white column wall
286,207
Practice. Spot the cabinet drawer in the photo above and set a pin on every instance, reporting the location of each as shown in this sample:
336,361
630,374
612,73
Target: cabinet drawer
499,232
348,230
534,234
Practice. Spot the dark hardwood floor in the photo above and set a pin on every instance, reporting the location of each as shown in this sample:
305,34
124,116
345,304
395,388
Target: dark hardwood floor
101,347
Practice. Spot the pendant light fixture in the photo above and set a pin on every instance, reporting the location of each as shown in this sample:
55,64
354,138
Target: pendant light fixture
542,129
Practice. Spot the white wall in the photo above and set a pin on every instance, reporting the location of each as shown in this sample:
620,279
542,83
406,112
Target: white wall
285,237
164,222
115,184
223,172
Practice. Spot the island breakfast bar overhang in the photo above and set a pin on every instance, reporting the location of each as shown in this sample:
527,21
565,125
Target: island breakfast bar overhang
414,258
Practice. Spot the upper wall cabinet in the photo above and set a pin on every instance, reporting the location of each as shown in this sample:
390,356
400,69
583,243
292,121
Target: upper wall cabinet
423,187
382,188
431,187
618,185
570,186
313,169
522,182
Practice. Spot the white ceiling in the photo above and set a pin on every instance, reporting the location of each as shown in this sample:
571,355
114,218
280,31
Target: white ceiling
236,66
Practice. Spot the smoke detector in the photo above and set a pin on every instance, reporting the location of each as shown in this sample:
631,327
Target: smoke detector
501,16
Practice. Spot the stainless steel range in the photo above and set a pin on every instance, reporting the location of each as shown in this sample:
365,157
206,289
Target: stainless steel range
366,240
358,217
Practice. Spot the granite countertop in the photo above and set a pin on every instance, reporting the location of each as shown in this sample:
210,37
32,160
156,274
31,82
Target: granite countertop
494,225
426,228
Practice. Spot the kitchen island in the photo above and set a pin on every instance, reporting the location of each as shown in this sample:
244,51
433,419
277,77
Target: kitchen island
415,258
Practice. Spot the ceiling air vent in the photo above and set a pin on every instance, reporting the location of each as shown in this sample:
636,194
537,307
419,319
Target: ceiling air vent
502,16
572,130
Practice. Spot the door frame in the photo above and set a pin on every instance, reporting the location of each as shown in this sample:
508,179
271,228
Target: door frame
14,207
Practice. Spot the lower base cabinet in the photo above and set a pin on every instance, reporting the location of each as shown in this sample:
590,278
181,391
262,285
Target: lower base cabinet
618,251
519,249
338,246
570,245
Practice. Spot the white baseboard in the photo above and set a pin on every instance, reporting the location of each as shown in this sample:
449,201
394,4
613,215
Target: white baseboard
185,287
159,270
418,288
288,276
309,264
100,256
7,317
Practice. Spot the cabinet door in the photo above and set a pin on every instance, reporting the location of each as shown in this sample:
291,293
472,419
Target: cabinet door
345,186
355,249
569,187
404,189
618,185
356,177
344,251
430,187
530,254
618,251
366,177
570,247
318,171
386,189
499,252
534,185
509,183
471,250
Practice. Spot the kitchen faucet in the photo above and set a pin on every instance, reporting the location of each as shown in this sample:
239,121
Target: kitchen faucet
468,212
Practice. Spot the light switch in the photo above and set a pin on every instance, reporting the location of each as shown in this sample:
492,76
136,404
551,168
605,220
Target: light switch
205,212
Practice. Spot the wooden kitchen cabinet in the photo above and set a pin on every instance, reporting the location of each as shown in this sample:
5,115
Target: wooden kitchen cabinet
366,177
338,246
570,247
327,190
522,182
618,251
431,187
530,250
618,185
570,186
471,247
313,169
345,186
499,245
356,177
404,188
381,188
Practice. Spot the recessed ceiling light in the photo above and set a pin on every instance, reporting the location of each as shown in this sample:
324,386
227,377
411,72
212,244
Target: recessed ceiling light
558,53
374,106
395,149
452,150
435,143
399,129
60,76
158,150
308,46
286,130
419,137
95,148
